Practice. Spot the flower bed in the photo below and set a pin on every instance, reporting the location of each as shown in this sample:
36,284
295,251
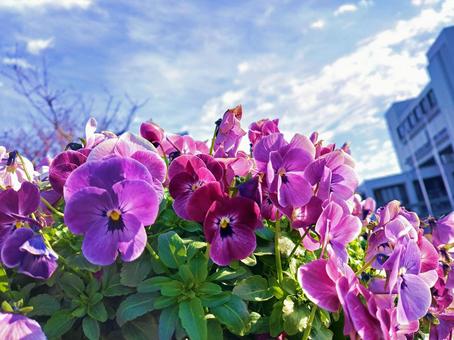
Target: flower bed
162,236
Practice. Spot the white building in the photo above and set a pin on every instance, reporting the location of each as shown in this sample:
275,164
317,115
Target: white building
422,131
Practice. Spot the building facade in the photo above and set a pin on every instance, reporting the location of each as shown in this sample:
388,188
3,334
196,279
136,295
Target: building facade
422,132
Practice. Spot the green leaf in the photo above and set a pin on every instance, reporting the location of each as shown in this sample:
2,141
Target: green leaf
215,300
44,304
172,288
234,315
171,249
91,328
290,285
319,331
192,317
143,328
295,317
199,267
250,261
209,288
225,274
80,262
92,287
134,306
98,312
265,233
164,301
276,322
133,273
190,226
195,247
153,284
254,288
4,285
58,324
185,273
167,322
215,329
115,288
71,284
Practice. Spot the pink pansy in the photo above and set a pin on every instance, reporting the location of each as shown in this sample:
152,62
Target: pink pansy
229,133
262,128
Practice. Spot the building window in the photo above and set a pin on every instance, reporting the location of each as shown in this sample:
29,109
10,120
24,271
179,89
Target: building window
393,192
424,104
401,132
432,99
435,187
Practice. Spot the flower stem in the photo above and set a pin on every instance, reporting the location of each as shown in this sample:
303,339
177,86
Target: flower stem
29,178
298,243
277,253
307,331
166,160
51,208
151,251
365,266
213,140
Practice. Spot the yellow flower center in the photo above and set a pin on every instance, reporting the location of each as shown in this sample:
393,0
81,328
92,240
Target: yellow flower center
195,186
19,224
114,215
225,221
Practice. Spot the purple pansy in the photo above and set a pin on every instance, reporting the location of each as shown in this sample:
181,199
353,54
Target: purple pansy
229,133
264,147
229,227
337,229
62,166
334,173
138,148
193,187
27,251
285,172
152,132
110,202
15,208
404,267
19,327
262,128
443,230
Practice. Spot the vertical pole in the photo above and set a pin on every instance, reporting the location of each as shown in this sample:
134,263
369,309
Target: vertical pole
420,179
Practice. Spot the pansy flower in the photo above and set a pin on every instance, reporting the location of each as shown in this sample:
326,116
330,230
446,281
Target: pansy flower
110,202
12,171
229,227
19,327
152,132
15,208
262,128
62,166
27,251
193,187
285,172
229,133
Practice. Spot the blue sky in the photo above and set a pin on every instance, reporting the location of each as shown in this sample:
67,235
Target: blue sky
331,66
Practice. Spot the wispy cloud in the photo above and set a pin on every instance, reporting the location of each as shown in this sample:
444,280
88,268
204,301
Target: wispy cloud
20,62
424,2
346,97
318,24
345,8
27,4
36,46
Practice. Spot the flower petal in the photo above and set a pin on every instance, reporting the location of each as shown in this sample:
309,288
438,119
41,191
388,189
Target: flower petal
414,299
317,285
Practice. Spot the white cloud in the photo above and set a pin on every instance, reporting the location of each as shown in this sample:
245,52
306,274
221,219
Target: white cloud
28,4
424,2
36,46
318,25
346,98
20,62
345,8
243,67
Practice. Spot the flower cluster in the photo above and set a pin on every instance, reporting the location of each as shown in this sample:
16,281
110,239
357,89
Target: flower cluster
273,241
